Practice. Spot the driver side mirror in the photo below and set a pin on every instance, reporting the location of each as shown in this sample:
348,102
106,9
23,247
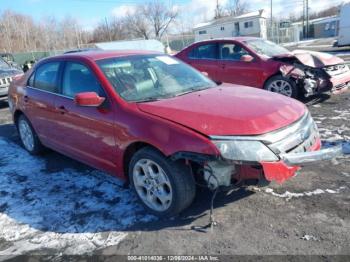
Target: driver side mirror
88,99
246,58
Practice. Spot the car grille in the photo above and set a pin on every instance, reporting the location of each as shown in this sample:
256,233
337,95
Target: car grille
300,137
336,69
5,82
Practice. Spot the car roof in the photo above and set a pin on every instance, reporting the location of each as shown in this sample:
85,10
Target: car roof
103,54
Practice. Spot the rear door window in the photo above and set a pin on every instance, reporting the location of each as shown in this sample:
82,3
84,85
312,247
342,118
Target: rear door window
45,77
207,51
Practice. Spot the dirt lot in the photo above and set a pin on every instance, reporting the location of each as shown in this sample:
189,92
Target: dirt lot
54,205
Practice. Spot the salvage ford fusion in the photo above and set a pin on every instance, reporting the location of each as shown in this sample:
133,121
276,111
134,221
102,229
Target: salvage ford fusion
260,63
162,125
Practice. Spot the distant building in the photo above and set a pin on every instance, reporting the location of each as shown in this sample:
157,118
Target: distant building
318,28
326,27
249,24
344,25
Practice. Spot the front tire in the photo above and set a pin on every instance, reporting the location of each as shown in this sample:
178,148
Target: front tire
164,187
281,85
28,136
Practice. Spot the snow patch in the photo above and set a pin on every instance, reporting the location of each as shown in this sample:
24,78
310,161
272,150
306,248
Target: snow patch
289,195
68,211
309,237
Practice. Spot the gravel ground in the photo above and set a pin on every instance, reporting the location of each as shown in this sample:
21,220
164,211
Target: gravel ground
54,205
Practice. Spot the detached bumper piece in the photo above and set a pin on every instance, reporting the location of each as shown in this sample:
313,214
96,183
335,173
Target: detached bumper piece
307,158
278,171
292,162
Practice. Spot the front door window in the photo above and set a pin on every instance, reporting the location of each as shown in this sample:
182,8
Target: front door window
78,78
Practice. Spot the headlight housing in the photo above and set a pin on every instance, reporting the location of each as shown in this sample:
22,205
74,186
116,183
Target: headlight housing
252,151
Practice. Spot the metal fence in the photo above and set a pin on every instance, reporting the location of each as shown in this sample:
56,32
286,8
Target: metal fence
278,34
21,58
178,42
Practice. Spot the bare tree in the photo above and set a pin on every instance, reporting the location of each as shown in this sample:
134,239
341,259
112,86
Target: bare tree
219,11
237,7
138,24
159,16
112,29
20,33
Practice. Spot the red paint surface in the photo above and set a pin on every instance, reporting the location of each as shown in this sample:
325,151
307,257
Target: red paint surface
278,171
228,110
88,99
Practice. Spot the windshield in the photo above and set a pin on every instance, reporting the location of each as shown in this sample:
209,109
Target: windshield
151,77
3,64
265,47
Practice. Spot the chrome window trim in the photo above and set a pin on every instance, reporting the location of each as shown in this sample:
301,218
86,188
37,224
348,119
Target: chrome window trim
53,93
275,136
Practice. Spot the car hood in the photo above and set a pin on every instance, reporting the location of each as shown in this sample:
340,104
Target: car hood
313,58
228,110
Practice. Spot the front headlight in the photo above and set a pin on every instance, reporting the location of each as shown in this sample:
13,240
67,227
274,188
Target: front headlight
245,150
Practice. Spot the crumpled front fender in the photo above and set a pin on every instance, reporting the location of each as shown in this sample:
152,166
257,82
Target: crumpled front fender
291,71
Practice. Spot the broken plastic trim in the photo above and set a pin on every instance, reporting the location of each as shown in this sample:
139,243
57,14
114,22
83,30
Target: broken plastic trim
196,157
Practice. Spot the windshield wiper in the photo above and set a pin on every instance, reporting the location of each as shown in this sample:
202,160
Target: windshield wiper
148,99
153,98
191,91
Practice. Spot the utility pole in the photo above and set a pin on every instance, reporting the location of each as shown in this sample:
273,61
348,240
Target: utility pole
217,9
303,19
271,26
271,11
109,33
307,18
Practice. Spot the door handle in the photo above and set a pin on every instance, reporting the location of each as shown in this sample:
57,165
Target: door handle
26,99
223,66
62,110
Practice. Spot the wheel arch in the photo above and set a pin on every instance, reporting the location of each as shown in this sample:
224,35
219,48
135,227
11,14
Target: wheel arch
271,76
130,150
16,115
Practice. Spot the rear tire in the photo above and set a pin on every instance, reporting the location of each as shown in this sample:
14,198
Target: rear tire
164,187
282,85
28,136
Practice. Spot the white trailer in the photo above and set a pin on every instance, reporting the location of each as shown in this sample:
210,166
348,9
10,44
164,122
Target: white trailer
344,25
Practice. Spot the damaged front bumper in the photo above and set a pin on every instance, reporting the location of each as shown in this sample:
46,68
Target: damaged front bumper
340,82
314,81
281,153
290,163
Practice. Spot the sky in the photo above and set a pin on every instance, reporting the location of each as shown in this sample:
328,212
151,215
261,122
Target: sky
90,12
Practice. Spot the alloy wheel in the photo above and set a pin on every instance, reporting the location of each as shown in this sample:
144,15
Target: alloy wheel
282,87
152,185
26,135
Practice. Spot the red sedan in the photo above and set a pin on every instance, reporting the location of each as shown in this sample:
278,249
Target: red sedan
162,125
260,63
